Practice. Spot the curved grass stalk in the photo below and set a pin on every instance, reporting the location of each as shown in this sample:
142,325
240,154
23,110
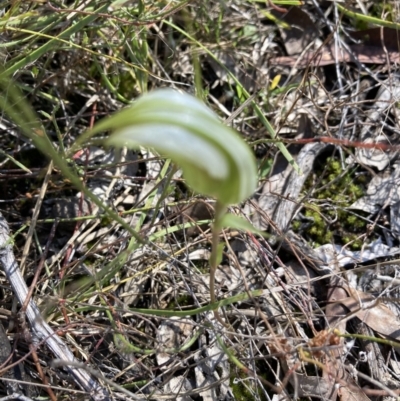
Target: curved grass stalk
182,313
367,18
384,341
126,346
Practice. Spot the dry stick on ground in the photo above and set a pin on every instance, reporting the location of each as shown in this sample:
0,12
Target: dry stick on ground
22,312
41,330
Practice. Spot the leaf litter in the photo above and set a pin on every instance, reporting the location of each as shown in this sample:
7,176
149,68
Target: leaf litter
335,80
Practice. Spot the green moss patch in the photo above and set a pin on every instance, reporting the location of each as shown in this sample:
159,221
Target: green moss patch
330,191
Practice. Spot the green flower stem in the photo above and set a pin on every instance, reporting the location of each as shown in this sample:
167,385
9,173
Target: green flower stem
220,212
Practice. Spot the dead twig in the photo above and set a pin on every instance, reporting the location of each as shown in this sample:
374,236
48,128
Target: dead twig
41,330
